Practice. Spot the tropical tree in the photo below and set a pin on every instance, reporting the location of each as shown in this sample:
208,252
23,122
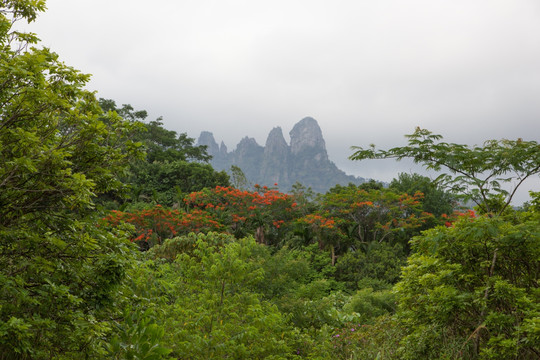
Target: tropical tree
160,144
212,308
263,213
167,183
238,178
471,291
435,200
470,288
58,151
156,224
174,165
476,172
373,215
324,230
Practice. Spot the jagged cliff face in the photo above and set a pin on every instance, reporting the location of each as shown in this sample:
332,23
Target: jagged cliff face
305,160
306,136
207,138
221,159
247,157
275,164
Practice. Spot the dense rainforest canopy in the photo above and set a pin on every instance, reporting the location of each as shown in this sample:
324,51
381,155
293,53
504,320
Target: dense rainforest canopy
119,241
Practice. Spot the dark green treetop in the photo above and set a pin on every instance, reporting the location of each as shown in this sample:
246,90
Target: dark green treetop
435,200
174,165
161,144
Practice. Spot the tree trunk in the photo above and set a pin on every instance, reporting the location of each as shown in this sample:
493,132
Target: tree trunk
259,235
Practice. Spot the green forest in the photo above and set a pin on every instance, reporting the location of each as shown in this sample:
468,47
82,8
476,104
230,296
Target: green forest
119,241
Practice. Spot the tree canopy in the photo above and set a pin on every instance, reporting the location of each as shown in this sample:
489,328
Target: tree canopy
435,199
361,272
477,172
58,151
173,166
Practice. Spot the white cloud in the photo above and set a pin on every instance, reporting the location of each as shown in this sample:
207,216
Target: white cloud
368,71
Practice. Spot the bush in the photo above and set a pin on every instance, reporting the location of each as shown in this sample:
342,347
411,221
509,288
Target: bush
471,290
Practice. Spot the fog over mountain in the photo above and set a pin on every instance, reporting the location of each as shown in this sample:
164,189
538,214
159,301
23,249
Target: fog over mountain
305,160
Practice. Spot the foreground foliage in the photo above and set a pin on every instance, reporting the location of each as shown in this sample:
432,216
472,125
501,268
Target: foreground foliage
59,273
471,290
236,273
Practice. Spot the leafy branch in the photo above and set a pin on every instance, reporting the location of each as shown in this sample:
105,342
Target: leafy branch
476,172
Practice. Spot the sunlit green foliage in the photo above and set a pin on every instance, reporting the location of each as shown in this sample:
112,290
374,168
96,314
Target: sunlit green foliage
474,287
286,276
59,273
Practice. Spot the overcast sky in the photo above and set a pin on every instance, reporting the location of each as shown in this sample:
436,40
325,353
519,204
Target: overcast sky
367,71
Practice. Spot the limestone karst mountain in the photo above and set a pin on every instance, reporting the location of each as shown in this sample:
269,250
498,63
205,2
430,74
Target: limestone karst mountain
304,160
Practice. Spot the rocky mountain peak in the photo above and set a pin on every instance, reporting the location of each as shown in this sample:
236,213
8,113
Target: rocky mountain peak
248,156
207,138
307,134
247,142
305,160
275,142
223,149
275,164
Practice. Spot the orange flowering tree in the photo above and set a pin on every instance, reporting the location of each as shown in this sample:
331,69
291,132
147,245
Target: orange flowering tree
153,226
265,212
449,220
373,215
325,230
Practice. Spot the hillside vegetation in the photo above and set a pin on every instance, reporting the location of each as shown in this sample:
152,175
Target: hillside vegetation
119,241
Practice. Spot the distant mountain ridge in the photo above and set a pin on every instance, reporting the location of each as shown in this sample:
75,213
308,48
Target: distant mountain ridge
304,160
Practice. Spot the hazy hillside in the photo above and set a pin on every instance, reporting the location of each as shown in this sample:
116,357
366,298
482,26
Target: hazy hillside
304,160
